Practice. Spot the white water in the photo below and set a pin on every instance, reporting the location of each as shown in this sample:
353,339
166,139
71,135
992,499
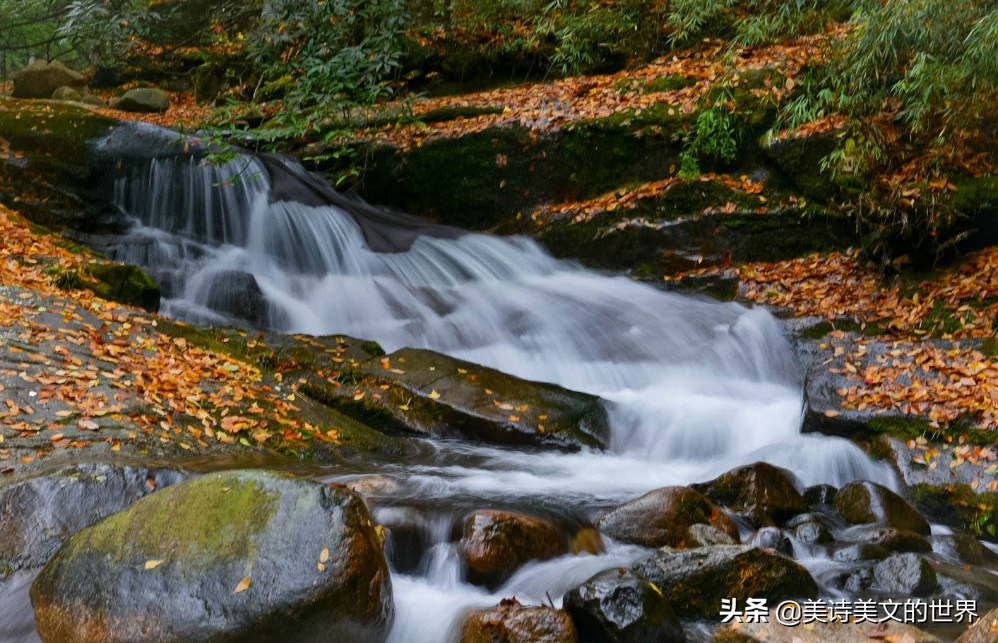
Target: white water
698,387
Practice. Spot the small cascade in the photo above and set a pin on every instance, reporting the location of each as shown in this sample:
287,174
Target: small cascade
697,387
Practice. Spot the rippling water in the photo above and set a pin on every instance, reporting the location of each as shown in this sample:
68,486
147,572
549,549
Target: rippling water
696,387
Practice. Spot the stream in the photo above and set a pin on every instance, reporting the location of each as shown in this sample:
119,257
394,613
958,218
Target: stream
696,386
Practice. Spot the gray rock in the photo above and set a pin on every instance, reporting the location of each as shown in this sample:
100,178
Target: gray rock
143,99
41,79
41,512
858,581
174,567
813,532
971,551
983,631
861,552
701,535
870,503
906,574
772,538
616,606
978,582
695,581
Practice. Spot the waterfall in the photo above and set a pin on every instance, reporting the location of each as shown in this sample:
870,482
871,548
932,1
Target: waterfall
692,381
695,386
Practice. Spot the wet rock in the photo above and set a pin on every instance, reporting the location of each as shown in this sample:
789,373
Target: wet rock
143,99
971,551
796,521
67,93
376,485
820,495
772,538
445,397
125,284
701,535
907,574
617,606
497,543
868,502
662,518
40,80
799,157
511,622
773,632
758,487
858,581
586,541
41,512
861,552
983,631
238,295
893,540
812,532
696,580
242,555
978,582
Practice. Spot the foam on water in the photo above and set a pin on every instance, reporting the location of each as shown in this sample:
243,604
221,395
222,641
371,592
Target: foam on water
696,386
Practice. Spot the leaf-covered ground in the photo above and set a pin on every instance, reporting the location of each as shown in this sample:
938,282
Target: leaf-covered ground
79,372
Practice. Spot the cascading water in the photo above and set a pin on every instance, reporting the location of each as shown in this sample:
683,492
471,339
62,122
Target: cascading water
697,387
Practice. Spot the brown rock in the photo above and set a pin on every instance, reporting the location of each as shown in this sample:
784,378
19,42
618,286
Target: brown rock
587,541
867,502
773,632
497,543
758,488
663,517
511,622
985,630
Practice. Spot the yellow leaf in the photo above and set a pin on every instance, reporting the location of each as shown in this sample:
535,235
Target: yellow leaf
153,564
320,567
324,556
434,395
242,586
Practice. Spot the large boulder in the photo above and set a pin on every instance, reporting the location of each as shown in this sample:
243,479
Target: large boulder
40,80
663,517
39,513
756,489
695,581
868,502
497,543
985,630
978,582
125,284
512,622
617,606
834,632
235,556
143,99
907,574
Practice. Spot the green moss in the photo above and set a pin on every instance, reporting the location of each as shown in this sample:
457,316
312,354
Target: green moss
958,506
373,349
905,428
975,194
124,284
230,510
670,83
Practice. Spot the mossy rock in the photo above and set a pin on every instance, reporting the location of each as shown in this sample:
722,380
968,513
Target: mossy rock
695,581
243,555
41,79
958,506
125,284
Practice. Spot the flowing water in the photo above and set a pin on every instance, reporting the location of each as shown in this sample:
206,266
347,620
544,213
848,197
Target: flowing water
696,387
